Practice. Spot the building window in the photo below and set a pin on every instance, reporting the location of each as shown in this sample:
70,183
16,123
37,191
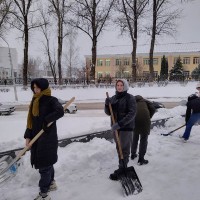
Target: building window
107,74
107,63
126,74
146,61
155,73
186,60
99,62
175,59
186,73
99,75
196,60
118,62
126,62
145,73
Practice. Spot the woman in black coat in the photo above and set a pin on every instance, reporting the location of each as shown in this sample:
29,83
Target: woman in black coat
43,109
124,110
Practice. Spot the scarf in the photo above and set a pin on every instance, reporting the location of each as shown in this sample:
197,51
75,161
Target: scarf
34,106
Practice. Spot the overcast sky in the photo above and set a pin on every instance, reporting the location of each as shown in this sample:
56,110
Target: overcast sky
188,31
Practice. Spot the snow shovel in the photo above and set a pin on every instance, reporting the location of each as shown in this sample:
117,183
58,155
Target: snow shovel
127,176
166,134
23,151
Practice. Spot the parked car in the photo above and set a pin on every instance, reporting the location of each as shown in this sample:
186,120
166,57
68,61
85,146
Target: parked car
6,109
70,109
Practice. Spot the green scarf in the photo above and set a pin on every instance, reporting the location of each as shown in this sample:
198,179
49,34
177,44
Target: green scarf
34,106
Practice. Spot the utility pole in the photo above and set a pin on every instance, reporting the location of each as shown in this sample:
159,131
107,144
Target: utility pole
12,72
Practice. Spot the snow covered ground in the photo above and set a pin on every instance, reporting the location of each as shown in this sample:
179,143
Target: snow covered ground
83,168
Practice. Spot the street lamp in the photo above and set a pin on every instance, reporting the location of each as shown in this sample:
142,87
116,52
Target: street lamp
12,72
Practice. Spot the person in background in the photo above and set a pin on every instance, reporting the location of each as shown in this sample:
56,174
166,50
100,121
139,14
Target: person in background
192,113
145,111
43,109
124,110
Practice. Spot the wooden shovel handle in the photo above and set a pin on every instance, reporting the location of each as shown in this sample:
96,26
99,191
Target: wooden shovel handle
116,132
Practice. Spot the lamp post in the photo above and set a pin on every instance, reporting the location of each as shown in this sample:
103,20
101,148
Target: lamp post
12,72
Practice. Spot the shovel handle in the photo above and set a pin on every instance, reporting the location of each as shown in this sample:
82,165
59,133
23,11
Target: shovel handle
116,132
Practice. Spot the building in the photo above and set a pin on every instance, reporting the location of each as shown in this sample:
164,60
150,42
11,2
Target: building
115,61
6,57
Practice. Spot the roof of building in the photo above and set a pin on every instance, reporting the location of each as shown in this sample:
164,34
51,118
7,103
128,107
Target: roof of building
144,49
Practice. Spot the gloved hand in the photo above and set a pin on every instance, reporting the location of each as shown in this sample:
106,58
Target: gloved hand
115,127
107,101
44,126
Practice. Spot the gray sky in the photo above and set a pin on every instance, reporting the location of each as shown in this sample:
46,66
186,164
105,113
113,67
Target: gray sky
188,31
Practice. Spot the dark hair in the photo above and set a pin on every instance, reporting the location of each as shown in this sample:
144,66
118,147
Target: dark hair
42,83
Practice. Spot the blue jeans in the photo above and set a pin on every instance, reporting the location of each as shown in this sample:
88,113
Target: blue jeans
46,177
194,118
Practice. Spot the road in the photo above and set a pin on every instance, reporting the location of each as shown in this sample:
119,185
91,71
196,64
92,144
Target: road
94,106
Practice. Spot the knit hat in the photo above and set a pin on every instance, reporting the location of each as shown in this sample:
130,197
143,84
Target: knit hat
42,83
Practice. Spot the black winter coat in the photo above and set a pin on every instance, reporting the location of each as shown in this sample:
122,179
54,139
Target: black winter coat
44,150
145,111
124,109
192,106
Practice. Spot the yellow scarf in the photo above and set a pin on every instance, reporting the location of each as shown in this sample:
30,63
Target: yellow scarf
34,106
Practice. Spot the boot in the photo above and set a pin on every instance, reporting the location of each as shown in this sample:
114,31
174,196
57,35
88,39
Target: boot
43,196
53,186
142,161
114,176
133,156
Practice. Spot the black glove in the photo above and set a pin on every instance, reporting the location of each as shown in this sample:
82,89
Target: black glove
115,127
44,126
107,101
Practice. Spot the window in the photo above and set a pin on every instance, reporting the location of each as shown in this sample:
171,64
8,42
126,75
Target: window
186,73
126,62
175,60
146,61
107,62
99,62
107,74
196,60
186,60
118,62
126,74
145,73
155,73
99,74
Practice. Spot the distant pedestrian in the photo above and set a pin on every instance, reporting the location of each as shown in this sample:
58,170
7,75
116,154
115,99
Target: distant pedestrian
124,110
43,109
145,111
5,82
192,113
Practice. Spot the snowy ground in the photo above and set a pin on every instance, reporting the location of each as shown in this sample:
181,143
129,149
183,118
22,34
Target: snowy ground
83,168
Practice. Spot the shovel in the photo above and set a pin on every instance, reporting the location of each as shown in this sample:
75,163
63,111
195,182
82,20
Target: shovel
127,176
23,151
166,134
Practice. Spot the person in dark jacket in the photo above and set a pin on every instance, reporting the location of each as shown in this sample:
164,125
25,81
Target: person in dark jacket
43,109
145,111
192,114
124,110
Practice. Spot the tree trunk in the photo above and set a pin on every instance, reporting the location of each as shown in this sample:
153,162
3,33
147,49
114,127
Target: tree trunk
153,36
94,56
25,67
60,39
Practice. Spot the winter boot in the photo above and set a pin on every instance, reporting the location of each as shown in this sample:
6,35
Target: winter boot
142,161
43,196
183,139
53,186
133,156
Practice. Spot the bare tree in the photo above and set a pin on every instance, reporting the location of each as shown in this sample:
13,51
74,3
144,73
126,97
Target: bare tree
46,31
164,22
71,55
59,9
92,16
24,20
34,67
5,7
130,12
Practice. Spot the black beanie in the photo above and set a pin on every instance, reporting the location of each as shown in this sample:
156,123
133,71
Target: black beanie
42,83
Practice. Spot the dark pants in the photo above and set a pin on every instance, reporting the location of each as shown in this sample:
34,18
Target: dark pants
46,177
142,146
194,118
125,140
